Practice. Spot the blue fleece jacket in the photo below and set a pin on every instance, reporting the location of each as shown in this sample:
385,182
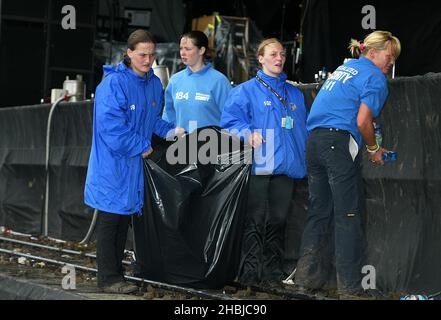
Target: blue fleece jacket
126,114
196,96
253,107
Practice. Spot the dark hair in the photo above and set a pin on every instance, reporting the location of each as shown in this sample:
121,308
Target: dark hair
198,38
139,36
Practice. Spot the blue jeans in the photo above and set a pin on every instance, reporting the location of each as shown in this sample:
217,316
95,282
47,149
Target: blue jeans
334,226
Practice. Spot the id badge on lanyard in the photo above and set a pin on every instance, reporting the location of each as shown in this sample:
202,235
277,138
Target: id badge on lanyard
287,122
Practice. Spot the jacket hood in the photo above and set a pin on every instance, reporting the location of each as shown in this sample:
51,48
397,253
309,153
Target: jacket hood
274,82
122,68
109,69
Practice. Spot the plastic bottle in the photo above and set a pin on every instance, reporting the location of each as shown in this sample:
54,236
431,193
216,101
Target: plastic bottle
324,73
389,155
378,134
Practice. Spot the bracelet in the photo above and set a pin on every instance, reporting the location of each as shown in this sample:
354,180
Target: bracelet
372,149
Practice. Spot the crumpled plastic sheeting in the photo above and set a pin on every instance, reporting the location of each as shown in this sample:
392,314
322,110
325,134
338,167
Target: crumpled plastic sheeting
190,231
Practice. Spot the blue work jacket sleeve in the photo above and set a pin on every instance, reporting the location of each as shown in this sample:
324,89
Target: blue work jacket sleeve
221,93
236,114
162,127
114,126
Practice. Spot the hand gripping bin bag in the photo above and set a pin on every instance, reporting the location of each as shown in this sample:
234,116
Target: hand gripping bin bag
191,228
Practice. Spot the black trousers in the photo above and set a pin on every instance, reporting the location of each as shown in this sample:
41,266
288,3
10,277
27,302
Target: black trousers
111,240
269,202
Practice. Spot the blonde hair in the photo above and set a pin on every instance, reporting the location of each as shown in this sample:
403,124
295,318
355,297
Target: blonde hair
264,43
378,40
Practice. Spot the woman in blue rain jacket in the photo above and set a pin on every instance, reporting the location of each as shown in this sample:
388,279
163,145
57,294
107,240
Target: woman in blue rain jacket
127,112
270,115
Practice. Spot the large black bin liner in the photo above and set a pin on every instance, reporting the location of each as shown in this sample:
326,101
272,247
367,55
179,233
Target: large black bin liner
191,227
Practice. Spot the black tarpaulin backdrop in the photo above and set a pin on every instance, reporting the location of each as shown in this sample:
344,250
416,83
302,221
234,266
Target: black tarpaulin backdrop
329,26
23,175
190,233
403,199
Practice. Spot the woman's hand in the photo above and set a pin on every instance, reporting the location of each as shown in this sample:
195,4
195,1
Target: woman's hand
377,157
147,153
179,131
256,140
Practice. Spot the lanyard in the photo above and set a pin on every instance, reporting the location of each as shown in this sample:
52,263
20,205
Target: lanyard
266,85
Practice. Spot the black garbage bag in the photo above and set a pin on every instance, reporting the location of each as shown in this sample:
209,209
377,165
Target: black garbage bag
191,228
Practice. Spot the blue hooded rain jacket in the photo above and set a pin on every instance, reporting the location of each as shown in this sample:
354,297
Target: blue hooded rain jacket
253,107
126,114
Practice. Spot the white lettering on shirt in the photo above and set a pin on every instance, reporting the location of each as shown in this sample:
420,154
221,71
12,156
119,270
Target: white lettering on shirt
181,95
342,74
202,97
